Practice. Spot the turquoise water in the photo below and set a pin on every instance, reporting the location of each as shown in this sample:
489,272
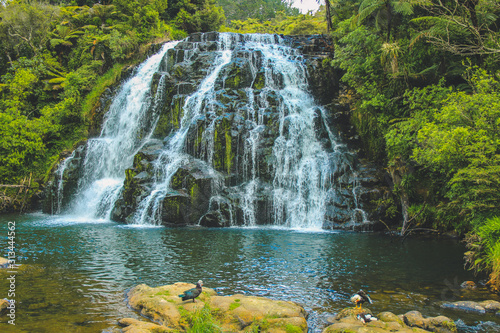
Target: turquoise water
75,273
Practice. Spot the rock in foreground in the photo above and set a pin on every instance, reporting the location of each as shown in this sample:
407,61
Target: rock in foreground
236,313
413,321
474,307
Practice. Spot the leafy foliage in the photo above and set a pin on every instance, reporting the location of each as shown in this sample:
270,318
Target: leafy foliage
281,24
484,250
260,10
59,59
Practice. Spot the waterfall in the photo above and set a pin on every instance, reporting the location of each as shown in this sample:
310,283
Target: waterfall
60,171
238,139
127,126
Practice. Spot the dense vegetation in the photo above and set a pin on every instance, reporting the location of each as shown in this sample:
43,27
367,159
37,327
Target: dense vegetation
421,80
422,83
57,59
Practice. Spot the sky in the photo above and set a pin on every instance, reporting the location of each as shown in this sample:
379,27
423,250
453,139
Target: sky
306,5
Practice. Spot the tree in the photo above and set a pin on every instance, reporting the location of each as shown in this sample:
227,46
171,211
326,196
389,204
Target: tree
384,10
466,28
28,24
203,18
328,14
262,10
461,144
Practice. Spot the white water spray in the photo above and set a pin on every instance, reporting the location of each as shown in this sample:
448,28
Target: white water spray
125,130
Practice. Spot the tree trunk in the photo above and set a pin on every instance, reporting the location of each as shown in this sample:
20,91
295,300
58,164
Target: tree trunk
471,7
397,171
328,16
389,21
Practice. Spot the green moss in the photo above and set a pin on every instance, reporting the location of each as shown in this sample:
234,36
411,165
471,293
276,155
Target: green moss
233,79
234,305
138,165
194,192
173,206
178,72
260,81
177,112
179,179
108,79
260,325
163,293
217,150
199,137
229,154
450,325
289,328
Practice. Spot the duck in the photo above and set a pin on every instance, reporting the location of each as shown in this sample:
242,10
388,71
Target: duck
192,293
366,317
360,297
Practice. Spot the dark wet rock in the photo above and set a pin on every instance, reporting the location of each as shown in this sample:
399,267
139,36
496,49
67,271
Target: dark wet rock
468,285
68,171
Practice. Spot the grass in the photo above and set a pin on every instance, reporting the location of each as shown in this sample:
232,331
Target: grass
200,321
234,305
103,82
163,293
484,254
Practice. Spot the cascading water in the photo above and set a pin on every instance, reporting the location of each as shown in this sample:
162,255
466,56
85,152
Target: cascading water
243,141
128,125
57,205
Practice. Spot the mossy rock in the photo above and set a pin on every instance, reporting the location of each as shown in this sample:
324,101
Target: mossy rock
236,313
347,321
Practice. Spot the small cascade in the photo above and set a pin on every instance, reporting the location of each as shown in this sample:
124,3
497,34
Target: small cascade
230,136
60,171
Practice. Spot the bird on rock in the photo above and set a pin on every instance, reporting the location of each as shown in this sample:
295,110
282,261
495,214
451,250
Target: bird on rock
192,293
365,317
360,297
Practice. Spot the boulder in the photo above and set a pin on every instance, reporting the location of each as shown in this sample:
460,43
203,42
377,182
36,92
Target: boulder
4,303
468,285
4,262
347,321
236,313
466,306
131,325
439,324
490,305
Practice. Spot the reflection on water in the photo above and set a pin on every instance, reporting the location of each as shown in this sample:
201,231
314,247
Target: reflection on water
76,272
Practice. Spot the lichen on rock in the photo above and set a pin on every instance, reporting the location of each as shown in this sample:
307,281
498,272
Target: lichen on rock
236,313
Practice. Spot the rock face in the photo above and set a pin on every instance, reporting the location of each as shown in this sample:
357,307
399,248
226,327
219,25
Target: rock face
63,182
246,132
237,313
413,321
